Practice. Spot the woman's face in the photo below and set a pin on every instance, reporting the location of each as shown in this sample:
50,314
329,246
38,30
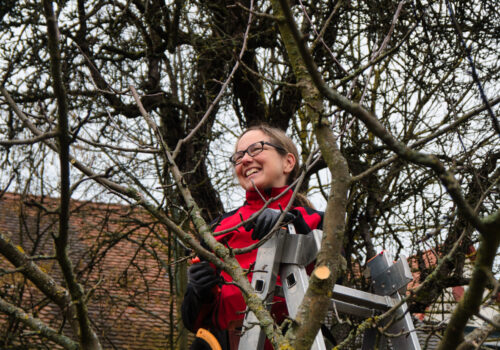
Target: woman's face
267,169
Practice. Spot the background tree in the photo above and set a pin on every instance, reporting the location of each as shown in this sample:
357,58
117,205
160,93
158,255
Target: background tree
139,97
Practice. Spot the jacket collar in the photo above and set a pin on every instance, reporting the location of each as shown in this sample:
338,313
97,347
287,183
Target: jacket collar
256,200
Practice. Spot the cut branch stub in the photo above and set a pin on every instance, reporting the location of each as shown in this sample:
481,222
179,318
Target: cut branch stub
322,272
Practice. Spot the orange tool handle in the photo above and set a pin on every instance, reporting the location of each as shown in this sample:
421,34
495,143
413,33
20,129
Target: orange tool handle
209,338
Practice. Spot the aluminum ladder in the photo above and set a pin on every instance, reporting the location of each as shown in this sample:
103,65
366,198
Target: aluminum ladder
287,254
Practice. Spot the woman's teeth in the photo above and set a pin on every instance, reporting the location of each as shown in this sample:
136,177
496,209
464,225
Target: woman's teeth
251,171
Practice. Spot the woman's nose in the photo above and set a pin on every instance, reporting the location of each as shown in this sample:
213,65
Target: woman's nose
246,158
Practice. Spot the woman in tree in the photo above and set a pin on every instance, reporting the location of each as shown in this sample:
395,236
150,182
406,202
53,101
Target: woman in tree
265,163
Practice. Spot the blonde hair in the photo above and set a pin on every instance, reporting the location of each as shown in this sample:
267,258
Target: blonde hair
281,139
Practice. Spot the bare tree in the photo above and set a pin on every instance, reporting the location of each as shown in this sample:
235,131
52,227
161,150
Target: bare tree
135,100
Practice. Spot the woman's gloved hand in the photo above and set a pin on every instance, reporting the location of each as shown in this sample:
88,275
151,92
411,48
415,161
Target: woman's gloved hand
265,222
202,278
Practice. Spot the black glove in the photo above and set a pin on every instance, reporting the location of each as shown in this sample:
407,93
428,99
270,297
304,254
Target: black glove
265,222
201,278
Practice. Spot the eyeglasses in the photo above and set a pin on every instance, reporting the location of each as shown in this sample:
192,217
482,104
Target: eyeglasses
253,150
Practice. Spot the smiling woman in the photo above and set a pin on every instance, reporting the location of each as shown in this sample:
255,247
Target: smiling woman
260,163
285,153
265,163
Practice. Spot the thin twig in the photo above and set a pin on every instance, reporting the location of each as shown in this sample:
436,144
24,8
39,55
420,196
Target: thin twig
47,135
467,50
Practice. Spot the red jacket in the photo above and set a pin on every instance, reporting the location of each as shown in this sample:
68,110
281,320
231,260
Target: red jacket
229,304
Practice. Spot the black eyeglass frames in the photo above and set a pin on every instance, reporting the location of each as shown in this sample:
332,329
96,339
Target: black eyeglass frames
252,150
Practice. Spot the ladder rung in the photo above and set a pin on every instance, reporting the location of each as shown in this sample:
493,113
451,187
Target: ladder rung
360,298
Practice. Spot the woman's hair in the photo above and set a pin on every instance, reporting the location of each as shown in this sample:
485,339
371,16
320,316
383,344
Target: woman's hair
279,138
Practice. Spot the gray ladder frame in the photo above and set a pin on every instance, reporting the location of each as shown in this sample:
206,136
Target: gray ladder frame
286,254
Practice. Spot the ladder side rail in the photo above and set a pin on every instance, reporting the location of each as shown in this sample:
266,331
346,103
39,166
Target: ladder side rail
387,279
264,277
295,282
404,325
373,340
294,278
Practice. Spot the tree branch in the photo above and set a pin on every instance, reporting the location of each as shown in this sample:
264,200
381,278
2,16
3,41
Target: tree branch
37,325
328,263
88,338
40,279
372,123
471,301
31,141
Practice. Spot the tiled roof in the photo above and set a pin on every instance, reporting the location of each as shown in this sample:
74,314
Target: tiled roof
117,254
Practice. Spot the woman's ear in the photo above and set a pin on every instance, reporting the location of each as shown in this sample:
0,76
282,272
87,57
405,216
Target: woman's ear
289,163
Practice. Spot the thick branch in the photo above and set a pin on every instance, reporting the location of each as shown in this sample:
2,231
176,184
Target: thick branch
37,325
470,303
372,123
88,338
40,279
479,335
316,301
